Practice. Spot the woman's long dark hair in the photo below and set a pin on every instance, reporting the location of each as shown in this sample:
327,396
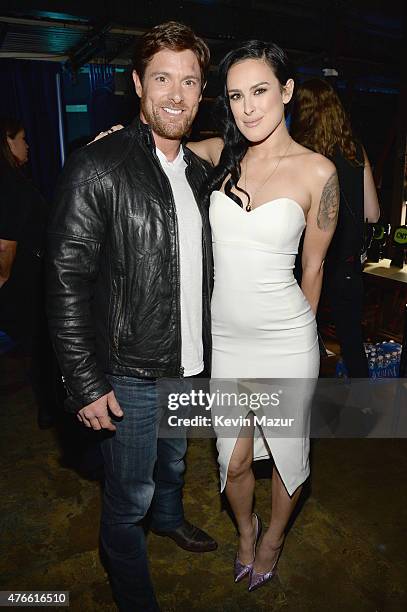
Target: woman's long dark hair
9,127
235,144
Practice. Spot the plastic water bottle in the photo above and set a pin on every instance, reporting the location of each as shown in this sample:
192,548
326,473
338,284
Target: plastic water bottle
341,371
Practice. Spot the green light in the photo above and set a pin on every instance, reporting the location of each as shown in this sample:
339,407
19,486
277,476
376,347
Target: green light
76,108
400,236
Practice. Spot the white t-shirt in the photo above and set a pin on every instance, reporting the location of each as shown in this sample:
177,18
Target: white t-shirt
190,255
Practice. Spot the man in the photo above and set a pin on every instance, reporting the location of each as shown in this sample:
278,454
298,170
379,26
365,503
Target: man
130,273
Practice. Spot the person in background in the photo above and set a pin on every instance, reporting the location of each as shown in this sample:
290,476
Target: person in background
23,216
319,122
13,155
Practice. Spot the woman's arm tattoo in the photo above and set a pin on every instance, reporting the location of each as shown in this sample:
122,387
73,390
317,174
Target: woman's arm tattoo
329,203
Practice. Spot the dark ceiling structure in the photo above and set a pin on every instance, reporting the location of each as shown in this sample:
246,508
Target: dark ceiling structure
361,39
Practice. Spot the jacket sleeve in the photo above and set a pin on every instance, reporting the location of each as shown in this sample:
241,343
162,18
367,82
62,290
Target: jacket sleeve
76,233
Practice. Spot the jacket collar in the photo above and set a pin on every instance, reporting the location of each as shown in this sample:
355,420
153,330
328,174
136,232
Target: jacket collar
146,135
144,132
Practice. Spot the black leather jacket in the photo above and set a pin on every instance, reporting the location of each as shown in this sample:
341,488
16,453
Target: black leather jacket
113,265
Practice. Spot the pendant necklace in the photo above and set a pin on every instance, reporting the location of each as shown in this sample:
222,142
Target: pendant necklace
268,177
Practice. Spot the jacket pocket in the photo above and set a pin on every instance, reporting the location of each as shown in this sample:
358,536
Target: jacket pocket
118,316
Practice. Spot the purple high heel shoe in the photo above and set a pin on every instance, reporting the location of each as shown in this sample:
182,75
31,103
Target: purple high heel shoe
242,569
258,579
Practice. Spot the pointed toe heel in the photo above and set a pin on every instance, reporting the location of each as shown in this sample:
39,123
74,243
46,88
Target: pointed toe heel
259,579
243,569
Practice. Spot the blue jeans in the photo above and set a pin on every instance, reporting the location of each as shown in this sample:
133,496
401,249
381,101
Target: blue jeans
142,473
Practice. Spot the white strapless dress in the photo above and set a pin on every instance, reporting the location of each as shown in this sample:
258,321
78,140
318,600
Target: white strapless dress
262,325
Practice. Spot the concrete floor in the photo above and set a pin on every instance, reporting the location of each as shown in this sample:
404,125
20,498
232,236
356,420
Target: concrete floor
346,550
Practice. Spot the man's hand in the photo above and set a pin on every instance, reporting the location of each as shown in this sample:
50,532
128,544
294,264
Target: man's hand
96,414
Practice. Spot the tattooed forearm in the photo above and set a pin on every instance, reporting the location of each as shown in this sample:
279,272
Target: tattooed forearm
329,203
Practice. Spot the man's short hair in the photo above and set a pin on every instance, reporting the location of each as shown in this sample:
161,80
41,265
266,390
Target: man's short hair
174,36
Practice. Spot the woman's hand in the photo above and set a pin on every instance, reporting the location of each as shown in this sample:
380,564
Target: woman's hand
114,128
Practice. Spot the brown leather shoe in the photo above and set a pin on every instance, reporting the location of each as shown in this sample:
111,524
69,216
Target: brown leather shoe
190,538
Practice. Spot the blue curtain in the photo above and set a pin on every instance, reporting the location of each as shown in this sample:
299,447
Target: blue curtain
106,108
102,98
29,93
101,77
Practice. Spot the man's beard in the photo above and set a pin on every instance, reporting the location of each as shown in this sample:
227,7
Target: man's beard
172,130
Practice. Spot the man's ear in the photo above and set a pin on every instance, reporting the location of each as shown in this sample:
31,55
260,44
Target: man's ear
288,90
137,84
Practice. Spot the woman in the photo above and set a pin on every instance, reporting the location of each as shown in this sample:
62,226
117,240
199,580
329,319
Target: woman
14,210
265,188
23,216
13,153
319,122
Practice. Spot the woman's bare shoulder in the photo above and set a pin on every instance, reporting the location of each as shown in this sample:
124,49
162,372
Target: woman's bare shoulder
314,164
209,149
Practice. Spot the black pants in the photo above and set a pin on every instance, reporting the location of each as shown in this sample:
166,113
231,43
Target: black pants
40,363
344,289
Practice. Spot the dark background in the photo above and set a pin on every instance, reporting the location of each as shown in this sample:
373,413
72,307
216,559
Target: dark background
88,46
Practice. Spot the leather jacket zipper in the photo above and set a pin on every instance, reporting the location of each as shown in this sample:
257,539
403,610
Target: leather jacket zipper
206,270
174,210
119,315
204,241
